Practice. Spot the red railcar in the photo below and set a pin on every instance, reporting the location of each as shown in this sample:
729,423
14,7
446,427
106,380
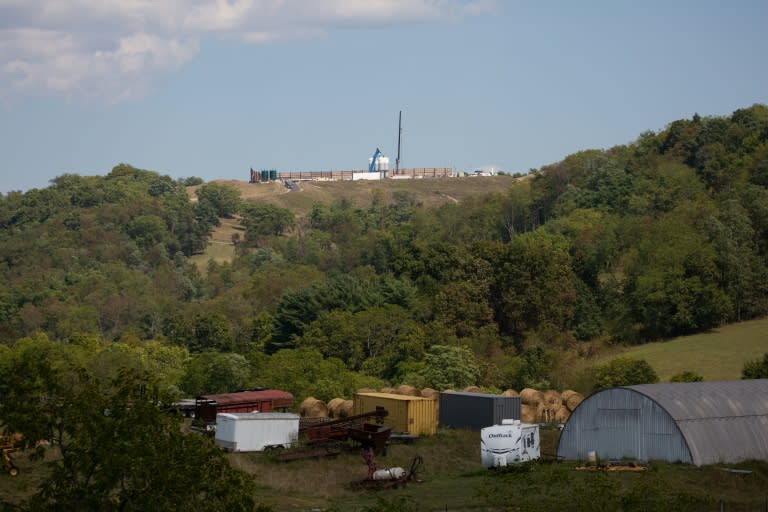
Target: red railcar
267,400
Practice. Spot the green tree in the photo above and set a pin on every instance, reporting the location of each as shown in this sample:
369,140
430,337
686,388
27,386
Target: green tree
624,371
445,367
534,285
263,220
223,200
305,372
215,372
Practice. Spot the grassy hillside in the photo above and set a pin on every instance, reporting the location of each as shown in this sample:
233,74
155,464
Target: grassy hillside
430,192
716,355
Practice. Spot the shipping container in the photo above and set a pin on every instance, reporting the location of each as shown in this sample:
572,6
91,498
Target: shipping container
406,414
256,431
267,400
476,410
511,442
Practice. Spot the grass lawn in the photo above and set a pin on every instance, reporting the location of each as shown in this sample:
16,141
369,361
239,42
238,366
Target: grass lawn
716,355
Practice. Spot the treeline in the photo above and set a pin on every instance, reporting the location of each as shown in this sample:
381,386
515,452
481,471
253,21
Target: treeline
665,236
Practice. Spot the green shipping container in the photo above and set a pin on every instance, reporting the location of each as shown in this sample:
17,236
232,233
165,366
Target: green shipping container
414,415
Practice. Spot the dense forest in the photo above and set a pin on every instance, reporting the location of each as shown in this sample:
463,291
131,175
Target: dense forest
664,236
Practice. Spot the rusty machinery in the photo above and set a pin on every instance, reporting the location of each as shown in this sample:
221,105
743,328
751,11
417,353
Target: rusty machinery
8,444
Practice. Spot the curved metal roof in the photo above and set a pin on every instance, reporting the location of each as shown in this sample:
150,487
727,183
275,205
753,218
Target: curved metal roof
723,421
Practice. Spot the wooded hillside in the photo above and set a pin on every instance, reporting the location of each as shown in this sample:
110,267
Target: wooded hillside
664,236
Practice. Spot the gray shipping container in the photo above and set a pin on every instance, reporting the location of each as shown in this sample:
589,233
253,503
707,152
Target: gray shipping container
476,410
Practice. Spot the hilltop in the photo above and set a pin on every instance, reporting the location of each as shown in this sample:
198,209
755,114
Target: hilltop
429,192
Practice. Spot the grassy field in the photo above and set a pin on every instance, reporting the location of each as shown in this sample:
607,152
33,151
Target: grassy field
454,480
716,355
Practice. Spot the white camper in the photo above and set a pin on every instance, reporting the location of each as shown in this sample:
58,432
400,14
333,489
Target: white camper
256,431
509,443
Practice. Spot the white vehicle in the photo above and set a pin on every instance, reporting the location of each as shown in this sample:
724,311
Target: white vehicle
509,443
256,431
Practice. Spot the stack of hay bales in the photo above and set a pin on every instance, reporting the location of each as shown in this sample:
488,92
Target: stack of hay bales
311,407
548,406
430,393
572,399
406,390
552,405
531,405
340,408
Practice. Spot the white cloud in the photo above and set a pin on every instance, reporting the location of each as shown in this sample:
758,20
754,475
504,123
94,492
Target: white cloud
110,50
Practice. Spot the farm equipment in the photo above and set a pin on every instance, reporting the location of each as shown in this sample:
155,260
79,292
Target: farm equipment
388,478
328,437
8,445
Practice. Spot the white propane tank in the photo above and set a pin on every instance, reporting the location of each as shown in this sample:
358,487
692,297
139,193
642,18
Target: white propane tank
389,474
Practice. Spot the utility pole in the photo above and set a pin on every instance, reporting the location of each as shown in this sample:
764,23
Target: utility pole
399,134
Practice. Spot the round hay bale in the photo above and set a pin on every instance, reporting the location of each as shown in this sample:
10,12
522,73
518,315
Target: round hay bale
527,414
391,391
345,409
311,407
565,395
562,415
510,392
543,413
430,393
472,389
405,389
366,390
333,407
574,401
552,399
531,397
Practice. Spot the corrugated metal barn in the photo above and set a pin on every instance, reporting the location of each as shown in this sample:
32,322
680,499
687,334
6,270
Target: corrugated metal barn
697,423
476,410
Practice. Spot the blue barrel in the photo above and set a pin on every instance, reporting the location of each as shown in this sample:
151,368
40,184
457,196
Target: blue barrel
264,175
273,174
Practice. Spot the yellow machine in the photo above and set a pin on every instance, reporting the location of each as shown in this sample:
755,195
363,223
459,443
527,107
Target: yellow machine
8,445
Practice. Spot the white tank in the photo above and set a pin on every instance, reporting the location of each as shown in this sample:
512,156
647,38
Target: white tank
382,163
389,474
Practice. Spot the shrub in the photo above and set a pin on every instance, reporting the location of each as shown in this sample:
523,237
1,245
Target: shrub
756,369
624,371
686,376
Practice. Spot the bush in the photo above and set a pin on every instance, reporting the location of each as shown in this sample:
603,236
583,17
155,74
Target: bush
756,369
624,371
686,376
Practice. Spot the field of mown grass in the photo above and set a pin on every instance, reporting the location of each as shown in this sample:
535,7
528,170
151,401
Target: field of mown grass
716,355
454,480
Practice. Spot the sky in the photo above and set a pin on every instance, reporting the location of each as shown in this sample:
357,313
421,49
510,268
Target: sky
212,88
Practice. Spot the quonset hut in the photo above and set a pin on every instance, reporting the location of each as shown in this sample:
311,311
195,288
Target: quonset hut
696,423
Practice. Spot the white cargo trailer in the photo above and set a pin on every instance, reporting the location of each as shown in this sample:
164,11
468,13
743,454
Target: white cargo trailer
509,443
256,431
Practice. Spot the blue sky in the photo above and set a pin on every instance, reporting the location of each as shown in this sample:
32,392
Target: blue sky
213,88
